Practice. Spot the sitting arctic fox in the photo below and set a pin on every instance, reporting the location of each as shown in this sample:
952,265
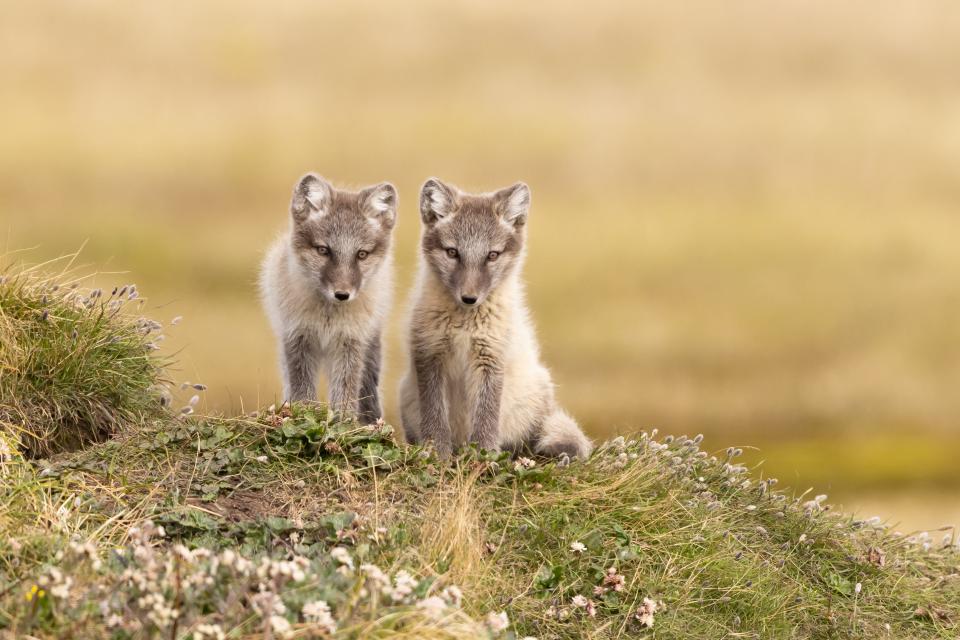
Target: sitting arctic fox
475,373
326,285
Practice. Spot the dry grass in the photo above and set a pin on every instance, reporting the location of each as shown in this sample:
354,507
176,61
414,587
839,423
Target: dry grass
452,536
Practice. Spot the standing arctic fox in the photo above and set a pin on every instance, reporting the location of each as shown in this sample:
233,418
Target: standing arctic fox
326,285
475,371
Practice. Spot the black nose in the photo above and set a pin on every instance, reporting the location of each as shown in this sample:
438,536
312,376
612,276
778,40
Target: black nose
341,295
468,299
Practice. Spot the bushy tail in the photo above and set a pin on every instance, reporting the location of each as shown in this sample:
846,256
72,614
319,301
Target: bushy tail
562,435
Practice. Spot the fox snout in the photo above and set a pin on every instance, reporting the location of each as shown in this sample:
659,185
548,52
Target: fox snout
474,284
341,282
342,292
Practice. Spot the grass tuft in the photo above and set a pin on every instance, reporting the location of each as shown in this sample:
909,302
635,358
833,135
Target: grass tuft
76,364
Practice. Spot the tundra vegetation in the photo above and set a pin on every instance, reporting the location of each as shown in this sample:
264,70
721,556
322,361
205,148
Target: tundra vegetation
124,517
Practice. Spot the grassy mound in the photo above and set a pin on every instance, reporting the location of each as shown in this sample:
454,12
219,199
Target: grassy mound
75,364
295,524
299,524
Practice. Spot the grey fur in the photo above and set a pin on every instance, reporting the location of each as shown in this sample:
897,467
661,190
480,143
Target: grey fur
370,384
434,424
326,285
475,371
299,361
487,363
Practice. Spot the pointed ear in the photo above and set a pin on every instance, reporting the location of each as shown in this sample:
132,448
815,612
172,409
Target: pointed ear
311,194
379,202
513,204
437,201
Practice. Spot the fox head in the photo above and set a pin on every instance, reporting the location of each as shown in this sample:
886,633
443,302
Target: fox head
473,243
340,239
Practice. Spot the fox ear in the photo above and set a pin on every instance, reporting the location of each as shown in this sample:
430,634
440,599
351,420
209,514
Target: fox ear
513,204
380,203
311,195
437,201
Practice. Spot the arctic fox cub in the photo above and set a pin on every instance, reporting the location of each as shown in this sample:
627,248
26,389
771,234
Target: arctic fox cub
326,285
475,372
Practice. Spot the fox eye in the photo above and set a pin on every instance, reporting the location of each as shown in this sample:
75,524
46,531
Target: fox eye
493,255
322,250
453,253
362,255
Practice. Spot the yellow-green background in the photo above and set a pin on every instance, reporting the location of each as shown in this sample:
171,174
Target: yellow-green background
746,216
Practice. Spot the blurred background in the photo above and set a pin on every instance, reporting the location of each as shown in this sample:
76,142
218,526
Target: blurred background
746,215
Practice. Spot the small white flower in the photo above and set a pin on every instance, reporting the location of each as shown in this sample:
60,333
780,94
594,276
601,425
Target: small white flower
403,586
61,590
498,622
341,555
318,613
375,574
453,595
858,588
579,601
262,458
281,626
208,631
524,463
645,613
578,547
433,607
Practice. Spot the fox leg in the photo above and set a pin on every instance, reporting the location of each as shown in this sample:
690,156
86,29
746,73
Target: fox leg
434,419
301,358
346,372
409,409
485,389
370,410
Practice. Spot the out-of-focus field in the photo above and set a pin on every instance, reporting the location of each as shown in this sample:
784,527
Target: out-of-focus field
746,215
